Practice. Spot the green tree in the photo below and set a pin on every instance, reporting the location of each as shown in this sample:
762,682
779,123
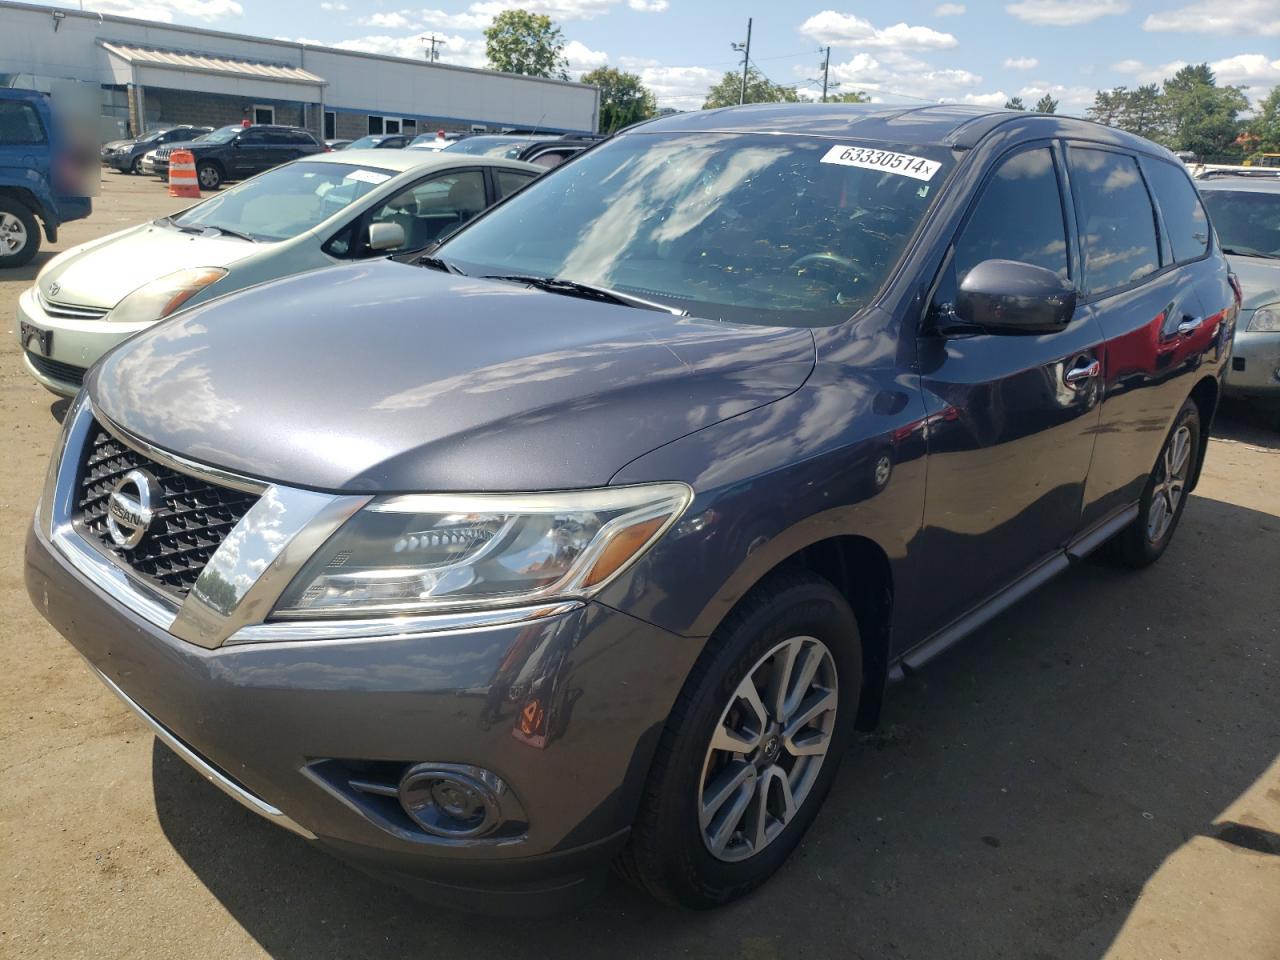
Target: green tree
1142,111
1046,104
624,99
518,41
1014,103
1199,115
1265,126
849,96
1108,105
760,89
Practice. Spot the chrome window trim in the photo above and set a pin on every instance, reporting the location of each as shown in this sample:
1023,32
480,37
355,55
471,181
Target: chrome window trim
207,770
397,628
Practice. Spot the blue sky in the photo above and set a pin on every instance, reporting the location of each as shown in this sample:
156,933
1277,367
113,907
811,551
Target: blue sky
978,52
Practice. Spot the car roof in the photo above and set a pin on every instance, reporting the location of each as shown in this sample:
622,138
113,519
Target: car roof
1240,184
403,161
946,124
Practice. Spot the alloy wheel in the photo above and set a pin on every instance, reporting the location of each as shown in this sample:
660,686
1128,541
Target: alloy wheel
13,234
209,178
767,748
1171,484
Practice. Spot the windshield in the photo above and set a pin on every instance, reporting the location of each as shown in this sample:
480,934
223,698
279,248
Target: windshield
1247,221
286,201
370,141
747,227
223,134
489,146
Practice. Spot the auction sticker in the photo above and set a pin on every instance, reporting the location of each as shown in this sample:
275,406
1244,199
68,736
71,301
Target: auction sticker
871,158
368,176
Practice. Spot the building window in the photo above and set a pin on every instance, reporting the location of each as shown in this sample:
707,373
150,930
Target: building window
330,125
408,126
391,125
375,125
263,114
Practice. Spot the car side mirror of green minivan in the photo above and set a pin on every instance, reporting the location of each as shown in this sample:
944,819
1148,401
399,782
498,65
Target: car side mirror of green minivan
1009,296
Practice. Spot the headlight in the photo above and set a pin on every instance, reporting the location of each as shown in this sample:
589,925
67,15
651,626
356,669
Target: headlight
1265,319
431,552
159,298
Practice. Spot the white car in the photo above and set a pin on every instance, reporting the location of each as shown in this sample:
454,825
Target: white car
314,212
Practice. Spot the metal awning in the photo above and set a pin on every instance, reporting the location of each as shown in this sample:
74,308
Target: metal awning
194,61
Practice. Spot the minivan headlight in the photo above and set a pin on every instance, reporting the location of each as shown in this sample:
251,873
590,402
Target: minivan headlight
1265,319
159,298
424,553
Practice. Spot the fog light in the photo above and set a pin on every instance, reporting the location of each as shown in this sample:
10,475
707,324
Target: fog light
451,800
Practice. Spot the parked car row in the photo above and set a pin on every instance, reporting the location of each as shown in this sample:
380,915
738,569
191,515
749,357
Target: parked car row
589,529
126,156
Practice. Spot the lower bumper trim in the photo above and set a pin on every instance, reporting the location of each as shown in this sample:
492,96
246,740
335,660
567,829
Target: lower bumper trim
206,769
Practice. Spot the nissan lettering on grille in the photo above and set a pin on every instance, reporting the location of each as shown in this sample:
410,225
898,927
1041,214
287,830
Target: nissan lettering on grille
130,508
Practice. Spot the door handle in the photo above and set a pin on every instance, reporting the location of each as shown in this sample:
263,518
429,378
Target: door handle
1190,325
1082,373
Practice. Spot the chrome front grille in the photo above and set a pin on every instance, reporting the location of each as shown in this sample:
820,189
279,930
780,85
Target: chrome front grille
191,520
70,311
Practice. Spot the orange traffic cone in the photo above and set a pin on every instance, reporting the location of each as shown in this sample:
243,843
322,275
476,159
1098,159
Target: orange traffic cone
182,175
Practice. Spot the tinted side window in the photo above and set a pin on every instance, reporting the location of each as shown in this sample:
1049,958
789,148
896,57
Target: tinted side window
1184,215
1117,221
509,181
19,123
1017,217
253,137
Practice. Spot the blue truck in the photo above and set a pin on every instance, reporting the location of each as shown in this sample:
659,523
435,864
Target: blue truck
38,190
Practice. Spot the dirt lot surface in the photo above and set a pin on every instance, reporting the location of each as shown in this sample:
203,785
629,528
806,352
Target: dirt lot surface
1095,773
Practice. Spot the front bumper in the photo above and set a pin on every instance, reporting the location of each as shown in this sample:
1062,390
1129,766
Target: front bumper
75,345
1255,363
567,710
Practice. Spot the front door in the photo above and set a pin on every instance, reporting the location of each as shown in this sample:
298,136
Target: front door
250,154
1012,417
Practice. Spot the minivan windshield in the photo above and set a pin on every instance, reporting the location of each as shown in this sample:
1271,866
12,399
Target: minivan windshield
283,202
756,228
1247,221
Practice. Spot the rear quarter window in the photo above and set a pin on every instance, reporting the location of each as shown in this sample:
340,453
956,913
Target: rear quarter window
20,124
1117,221
1184,216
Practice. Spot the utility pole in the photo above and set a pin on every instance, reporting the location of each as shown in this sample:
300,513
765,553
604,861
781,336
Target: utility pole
826,70
746,63
435,41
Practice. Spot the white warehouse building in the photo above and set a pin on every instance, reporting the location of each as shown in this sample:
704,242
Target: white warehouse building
156,74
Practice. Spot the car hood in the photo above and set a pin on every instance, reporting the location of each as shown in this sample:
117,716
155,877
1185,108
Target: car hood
386,377
104,274
1259,280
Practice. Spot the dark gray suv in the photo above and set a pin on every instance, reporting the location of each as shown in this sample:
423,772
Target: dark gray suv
592,535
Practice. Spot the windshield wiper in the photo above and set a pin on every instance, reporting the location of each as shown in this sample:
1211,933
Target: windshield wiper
233,233
1250,252
572,288
437,263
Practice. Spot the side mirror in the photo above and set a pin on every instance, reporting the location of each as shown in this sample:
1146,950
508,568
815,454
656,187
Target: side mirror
1008,296
385,236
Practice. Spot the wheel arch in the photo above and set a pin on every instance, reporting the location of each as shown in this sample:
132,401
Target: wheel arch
1205,395
25,197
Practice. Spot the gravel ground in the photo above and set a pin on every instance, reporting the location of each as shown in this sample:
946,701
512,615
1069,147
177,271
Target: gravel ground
1095,773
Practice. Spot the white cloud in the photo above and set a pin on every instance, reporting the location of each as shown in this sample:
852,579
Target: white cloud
456,50
163,11
1071,100
1256,72
389,21
1129,66
684,88
1065,13
649,6
453,21
847,30
996,99
582,58
1021,63
948,10
893,75
333,7
1240,17
555,9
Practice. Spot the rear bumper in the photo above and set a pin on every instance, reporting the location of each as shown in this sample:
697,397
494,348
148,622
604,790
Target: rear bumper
256,718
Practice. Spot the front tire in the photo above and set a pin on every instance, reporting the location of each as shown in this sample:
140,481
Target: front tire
209,176
19,234
1145,540
751,746
135,168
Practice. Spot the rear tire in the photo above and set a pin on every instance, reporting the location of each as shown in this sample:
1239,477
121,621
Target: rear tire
209,176
1145,540
19,234
716,822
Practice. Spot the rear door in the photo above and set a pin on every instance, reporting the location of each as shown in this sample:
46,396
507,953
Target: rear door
1012,417
1149,308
